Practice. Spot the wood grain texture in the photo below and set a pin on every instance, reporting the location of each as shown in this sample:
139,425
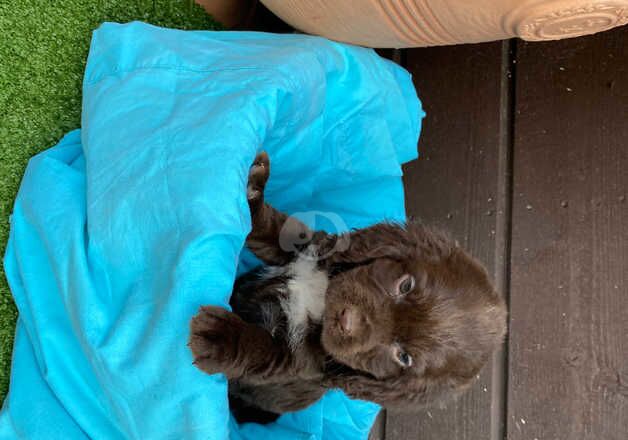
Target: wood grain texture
454,184
568,377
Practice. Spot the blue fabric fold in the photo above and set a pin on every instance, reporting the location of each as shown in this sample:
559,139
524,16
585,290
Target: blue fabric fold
121,231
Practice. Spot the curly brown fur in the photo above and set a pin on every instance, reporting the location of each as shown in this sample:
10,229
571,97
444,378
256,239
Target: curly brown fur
395,314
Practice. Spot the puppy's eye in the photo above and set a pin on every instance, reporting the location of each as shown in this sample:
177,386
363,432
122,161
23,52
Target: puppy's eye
405,359
401,357
405,284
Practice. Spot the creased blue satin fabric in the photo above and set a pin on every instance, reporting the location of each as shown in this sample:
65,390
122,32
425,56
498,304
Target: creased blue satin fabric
121,231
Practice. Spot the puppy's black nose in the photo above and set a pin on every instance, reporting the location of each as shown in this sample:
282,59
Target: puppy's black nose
349,320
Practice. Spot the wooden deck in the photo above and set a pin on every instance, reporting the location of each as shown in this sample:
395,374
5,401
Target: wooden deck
524,158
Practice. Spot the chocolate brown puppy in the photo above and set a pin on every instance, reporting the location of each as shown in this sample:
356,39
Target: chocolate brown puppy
397,314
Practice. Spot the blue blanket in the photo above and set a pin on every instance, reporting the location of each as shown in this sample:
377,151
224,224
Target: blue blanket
121,231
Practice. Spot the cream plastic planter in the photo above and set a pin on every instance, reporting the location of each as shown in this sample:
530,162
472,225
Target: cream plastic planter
412,23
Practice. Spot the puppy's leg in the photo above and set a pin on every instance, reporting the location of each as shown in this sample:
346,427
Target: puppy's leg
275,237
222,342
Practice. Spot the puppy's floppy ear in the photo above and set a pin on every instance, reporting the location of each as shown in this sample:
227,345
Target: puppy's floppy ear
392,240
400,392
381,240
431,243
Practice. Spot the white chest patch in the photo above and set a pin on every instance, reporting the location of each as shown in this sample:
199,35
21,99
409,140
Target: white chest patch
306,297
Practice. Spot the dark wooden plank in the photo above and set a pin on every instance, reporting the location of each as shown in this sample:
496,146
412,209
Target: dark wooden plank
569,286
455,184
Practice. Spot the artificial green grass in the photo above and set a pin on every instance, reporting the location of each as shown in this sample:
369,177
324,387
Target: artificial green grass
43,49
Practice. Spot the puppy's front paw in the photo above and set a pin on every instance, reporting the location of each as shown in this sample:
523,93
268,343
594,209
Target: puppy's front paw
214,337
258,176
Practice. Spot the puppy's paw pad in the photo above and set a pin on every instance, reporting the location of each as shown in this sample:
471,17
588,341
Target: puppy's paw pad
258,176
252,193
262,160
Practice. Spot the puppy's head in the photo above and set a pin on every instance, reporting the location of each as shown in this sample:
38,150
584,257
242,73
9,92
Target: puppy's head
411,314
